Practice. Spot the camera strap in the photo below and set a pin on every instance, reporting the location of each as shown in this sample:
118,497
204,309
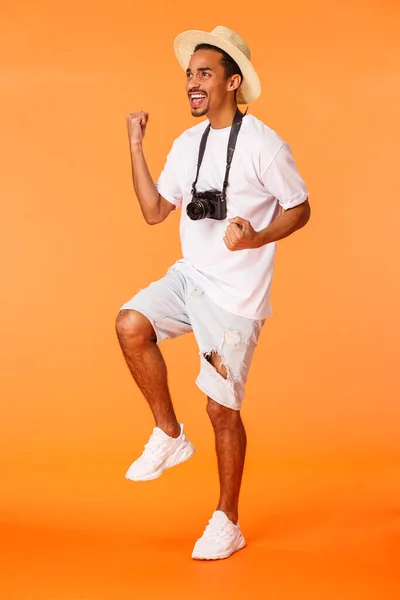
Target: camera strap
236,125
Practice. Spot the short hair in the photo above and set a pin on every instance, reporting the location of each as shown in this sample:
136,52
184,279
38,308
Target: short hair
230,66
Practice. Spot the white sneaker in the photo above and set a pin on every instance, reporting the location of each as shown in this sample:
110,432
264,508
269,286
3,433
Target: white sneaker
220,539
160,453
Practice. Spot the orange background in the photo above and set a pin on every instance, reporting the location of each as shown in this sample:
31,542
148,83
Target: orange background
320,500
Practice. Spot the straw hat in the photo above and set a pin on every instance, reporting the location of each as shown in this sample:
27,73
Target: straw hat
232,44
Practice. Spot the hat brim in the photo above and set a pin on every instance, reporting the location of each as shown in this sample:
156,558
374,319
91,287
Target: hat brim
186,42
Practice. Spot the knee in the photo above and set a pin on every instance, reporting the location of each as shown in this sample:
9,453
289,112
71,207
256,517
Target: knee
132,327
220,416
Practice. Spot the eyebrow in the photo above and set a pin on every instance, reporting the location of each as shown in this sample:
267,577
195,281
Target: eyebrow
199,69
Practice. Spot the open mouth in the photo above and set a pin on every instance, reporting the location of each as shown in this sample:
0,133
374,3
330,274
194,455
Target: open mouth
197,99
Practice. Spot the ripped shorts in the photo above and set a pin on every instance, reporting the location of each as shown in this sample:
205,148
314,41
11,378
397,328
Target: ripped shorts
176,305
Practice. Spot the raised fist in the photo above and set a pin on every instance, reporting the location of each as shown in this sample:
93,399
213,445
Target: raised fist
137,123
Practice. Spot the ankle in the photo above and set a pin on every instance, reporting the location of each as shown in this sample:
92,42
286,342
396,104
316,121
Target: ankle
173,430
232,515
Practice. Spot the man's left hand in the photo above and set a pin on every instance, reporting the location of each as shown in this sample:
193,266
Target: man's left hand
240,235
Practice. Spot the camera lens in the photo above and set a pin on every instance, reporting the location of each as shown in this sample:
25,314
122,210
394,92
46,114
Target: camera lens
199,209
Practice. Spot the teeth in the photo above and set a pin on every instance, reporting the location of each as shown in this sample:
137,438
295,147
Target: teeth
197,96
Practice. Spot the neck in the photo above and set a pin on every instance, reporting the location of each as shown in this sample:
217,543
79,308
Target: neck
223,117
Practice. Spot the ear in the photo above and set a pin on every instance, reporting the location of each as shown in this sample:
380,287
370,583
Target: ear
235,82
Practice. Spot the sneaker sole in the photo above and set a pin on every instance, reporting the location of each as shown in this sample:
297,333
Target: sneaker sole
227,554
180,456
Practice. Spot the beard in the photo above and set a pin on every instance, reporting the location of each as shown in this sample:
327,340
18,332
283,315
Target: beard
199,112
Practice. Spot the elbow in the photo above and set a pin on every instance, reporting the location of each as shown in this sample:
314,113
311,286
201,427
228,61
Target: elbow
153,217
153,220
158,213
305,214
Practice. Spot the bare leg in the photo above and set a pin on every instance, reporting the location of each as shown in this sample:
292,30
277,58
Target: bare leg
230,443
147,366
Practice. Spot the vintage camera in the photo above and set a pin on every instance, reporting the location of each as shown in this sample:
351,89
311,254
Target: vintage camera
210,204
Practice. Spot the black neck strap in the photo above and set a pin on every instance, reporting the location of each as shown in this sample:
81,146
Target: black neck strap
236,125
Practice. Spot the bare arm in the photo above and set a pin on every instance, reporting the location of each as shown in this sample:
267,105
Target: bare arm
240,234
287,223
154,207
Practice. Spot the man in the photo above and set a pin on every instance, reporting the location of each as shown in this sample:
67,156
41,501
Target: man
220,290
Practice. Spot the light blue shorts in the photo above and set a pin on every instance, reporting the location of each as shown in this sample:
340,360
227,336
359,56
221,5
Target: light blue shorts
175,305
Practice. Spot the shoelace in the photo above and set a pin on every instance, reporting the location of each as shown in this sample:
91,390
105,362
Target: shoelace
152,446
217,532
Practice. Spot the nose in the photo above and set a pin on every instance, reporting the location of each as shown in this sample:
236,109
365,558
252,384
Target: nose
193,84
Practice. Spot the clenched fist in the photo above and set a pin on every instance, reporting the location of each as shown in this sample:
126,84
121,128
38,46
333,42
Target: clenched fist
240,235
137,123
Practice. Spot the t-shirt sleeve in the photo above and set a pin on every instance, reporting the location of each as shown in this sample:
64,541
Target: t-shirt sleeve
282,179
168,182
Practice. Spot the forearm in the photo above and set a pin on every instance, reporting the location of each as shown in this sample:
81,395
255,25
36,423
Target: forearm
287,223
145,189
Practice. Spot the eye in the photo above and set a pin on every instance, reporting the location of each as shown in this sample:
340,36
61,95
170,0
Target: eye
205,74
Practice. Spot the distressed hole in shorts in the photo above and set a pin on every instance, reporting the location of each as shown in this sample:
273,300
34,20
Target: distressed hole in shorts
217,363
232,337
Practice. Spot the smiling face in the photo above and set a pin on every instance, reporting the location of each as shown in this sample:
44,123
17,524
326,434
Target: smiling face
207,86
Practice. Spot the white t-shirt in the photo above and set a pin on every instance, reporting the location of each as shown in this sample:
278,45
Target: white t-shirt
263,179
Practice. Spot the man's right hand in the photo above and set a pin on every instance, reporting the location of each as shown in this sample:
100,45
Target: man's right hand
137,123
